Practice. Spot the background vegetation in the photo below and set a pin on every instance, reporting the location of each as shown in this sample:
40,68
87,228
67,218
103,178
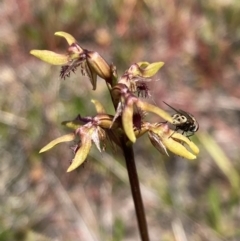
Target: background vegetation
199,41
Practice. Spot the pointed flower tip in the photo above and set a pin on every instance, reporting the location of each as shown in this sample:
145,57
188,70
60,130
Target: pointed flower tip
50,145
181,146
70,169
81,154
42,150
178,149
132,138
194,148
46,148
148,70
70,39
181,138
152,69
50,57
99,107
128,128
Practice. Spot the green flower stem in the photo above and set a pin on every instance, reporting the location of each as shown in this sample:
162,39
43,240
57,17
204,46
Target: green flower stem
135,188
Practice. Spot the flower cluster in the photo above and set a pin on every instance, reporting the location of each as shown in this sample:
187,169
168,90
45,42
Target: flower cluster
128,122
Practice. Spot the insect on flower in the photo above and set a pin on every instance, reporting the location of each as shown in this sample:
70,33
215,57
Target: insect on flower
184,121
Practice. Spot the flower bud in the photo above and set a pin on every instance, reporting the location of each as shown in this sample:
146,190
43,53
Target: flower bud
104,121
98,65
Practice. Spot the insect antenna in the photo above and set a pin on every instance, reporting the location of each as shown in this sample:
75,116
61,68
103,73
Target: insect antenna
170,106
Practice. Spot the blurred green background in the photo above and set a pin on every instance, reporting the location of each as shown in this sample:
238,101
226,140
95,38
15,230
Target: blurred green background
199,41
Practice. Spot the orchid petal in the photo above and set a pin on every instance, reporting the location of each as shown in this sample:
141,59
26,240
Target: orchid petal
70,39
81,154
50,57
65,138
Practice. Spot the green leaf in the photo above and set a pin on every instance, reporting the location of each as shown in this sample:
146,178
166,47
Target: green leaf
50,57
70,39
221,159
65,138
214,214
81,154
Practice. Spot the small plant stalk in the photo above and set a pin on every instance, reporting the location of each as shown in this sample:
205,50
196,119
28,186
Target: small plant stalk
136,192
